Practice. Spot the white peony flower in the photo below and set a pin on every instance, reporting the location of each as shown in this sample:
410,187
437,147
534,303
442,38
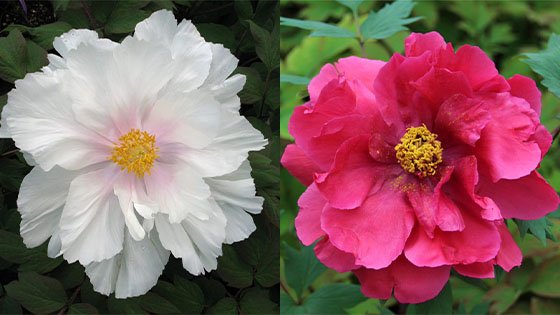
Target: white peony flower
139,151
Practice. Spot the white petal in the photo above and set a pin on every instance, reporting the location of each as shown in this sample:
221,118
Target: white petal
223,64
73,38
41,198
229,149
236,189
92,223
53,250
132,272
191,53
226,92
197,242
239,223
113,91
178,192
191,118
40,119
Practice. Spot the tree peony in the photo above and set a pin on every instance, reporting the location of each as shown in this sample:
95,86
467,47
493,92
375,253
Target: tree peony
413,164
139,151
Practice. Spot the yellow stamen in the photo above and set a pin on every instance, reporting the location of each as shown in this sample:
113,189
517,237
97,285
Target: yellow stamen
135,152
419,152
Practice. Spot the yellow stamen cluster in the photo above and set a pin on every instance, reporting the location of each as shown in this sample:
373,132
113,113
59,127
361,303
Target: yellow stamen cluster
419,152
135,152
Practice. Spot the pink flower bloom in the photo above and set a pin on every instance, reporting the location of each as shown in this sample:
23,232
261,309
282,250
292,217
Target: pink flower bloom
413,164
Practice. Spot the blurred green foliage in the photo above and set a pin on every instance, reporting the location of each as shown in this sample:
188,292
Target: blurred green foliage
246,280
506,31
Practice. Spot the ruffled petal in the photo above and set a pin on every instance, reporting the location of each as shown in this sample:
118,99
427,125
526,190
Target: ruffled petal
411,284
526,88
510,255
40,201
333,257
481,270
299,164
308,220
92,224
132,272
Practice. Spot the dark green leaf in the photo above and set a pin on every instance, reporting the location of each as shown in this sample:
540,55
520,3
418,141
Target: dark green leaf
244,9
36,57
12,173
156,304
217,33
294,79
185,295
233,270
213,290
44,35
82,308
391,19
257,301
441,304
123,20
70,275
266,45
124,306
9,306
302,268
13,53
289,307
333,299
37,293
262,252
319,29
546,280
547,64
225,306
253,91
537,227
13,250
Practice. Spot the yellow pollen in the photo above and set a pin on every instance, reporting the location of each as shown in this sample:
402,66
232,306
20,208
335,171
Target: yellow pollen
419,152
135,152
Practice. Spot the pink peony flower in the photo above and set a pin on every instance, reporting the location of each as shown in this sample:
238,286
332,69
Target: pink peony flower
413,164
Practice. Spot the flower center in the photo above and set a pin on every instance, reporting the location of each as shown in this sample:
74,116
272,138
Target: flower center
419,152
135,152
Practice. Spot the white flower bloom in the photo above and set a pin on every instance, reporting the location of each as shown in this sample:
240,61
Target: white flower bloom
139,151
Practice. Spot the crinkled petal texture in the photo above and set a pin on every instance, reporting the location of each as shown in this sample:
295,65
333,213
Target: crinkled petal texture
139,152
399,229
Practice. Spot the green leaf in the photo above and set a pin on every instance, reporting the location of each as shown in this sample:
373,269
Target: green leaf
539,228
13,53
289,307
333,299
44,35
547,64
253,91
352,4
441,304
225,306
156,304
546,280
502,298
70,275
185,295
294,79
123,20
319,29
391,19
9,306
301,268
12,173
213,290
36,57
262,252
266,45
233,270
257,301
82,308
13,250
217,33
37,293
124,306
244,9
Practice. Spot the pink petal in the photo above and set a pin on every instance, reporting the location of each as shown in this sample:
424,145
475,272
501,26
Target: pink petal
299,164
326,74
360,69
527,198
509,255
448,84
412,284
475,64
416,44
478,242
461,119
376,232
526,88
308,220
351,177
333,257
480,270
